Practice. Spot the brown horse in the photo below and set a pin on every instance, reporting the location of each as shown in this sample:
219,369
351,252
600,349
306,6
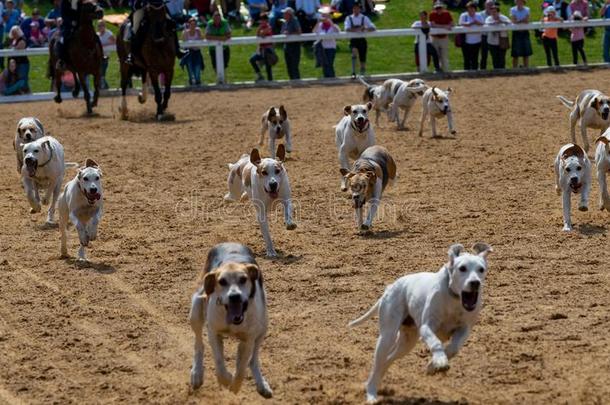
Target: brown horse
85,54
156,57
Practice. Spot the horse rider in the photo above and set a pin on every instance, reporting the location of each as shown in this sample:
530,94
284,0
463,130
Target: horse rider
69,16
137,35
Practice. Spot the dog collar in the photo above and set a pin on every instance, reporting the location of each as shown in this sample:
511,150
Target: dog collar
50,158
451,292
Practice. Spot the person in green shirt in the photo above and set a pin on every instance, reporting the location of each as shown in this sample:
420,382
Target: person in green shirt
218,29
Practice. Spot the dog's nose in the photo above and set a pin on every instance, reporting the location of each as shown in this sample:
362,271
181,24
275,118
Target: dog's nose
29,161
273,186
28,136
235,298
475,284
93,190
574,180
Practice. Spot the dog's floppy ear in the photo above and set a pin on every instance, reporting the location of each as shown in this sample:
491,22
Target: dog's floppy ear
369,106
449,90
482,249
370,175
454,251
434,91
344,172
281,152
254,274
37,121
595,103
271,112
602,139
347,110
209,283
255,157
91,163
46,144
573,150
283,112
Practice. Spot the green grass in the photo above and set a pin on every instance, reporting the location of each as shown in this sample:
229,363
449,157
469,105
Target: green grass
385,55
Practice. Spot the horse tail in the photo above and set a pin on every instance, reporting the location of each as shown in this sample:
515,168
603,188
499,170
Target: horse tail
50,64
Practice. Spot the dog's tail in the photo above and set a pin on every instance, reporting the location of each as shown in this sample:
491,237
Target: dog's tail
69,165
368,92
372,311
566,102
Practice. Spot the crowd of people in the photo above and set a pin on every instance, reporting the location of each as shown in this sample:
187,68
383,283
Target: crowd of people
211,20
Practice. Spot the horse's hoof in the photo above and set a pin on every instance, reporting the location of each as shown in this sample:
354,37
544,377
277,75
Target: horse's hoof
124,115
57,99
75,94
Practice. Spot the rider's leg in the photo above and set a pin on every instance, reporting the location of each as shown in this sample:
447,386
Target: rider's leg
136,40
171,24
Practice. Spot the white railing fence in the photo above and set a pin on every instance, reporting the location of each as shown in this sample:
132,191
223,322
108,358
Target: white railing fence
402,32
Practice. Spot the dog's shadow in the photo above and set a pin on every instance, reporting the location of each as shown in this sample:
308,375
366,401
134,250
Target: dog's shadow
393,400
590,229
380,235
282,258
47,226
100,268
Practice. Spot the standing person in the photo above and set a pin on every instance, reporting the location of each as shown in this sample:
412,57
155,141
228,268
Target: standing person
358,22
441,18
106,39
329,46
10,15
218,29
549,36
522,47
578,40
582,6
194,60
497,41
424,25
489,4
605,13
18,41
265,50
472,43
292,50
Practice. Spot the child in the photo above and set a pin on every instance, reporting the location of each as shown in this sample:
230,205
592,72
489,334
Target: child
36,38
549,36
264,30
578,40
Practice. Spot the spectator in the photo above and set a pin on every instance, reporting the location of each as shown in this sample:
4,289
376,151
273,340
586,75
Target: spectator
176,10
10,81
522,47
578,40
256,8
582,6
497,41
265,51
277,11
292,50
605,14
472,42
194,60
424,25
204,8
327,47
218,29
441,18
54,14
26,24
489,4
47,30
549,36
36,38
106,38
307,13
17,41
358,22
560,6
10,16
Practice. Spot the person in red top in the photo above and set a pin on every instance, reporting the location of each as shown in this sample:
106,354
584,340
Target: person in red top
441,18
265,52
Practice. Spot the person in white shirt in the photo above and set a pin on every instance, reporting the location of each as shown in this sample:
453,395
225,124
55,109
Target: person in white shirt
472,42
497,41
489,4
358,22
424,25
106,38
328,46
307,13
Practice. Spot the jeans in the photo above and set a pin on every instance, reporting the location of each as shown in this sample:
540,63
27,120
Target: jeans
550,47
103,82
484,52
578,47
431,52
498,56
194,66
470,53
292,57
15,88
226,53
328,68
607,46
442,50
23,70
257,57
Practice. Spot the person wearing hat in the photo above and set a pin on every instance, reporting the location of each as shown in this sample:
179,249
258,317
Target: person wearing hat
265,52
577,38
26,24
441,18
292,50
549,36
497,41
358,22
329,46
522,46
489,4
472,42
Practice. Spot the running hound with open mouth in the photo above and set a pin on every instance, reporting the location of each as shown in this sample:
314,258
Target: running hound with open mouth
592,108
572,176
29,129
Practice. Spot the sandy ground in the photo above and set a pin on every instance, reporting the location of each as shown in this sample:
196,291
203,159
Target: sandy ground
117,331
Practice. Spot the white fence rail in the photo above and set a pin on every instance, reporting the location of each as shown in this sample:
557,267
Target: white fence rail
402,32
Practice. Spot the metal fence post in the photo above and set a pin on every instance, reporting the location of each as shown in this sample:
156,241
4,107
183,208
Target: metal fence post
220,63
422,50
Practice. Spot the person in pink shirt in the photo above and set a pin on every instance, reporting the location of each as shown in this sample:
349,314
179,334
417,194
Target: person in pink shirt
37,38
578,40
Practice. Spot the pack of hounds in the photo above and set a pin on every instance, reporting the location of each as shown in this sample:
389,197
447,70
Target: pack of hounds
440,308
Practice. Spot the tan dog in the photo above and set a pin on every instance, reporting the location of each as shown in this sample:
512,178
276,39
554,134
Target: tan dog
232,300
367,180
29,129
275,121
592,108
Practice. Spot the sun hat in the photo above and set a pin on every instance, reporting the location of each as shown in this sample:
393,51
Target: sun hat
439,4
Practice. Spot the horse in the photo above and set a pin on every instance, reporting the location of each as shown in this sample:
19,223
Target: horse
156,57
85,55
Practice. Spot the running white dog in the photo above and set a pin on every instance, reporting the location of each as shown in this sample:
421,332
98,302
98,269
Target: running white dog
572,175
353,134
43,168
81,203
275,121
438,307
602,162
232,300
29,129
380,95
405,98
436,104
264,181
592,107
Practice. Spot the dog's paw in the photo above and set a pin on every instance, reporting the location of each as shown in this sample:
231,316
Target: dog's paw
272,254
236,385
453,132
365,227
196,378
583,208
567,228
371,399
228,197
35,210
438,364
225,379
291,226
265,390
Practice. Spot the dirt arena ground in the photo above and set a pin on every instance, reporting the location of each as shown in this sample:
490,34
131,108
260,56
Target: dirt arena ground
117,331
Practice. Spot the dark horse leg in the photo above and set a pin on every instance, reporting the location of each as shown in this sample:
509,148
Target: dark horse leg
154,79
169,75
77,85
82,77
97,78
57,79
125,79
